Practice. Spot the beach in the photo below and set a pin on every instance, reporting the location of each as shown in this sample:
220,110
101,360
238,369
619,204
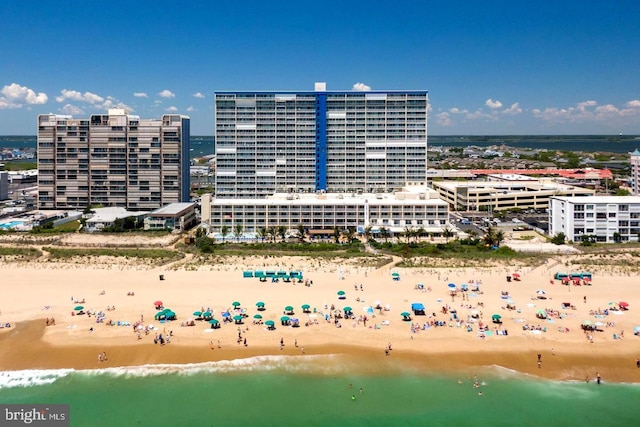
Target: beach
34,293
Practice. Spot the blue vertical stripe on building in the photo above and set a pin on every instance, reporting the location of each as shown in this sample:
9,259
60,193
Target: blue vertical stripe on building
321,141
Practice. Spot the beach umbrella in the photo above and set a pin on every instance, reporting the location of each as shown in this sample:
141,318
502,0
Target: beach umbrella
238,318
214,321
78,307
405,314
341,293
285,318
259,304
541,292
451,285
288,308
306,306
347,308
636,330
587,279
516,275
226,314
368,310
207,314
197,313
587,323
542,314
269,323
257,316
235,304
157,303
623,304
496,317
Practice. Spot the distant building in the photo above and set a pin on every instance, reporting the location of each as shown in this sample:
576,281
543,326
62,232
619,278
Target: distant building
113,159
606,218
4,185
174,217
504,192
634,159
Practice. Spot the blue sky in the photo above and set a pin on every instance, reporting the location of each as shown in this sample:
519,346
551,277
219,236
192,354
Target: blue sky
491,67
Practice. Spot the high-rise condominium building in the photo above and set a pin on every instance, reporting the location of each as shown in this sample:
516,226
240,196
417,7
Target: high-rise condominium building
113,159
634,160
319,141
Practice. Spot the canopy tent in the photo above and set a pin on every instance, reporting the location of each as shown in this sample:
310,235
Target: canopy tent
246,274
418,308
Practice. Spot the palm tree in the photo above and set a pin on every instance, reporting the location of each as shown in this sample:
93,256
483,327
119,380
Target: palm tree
349,234
237,231
447,233
272,232
301,232
368,233
385,233
493,237
408,233
421,232
224,230
336,234
262,233
281,231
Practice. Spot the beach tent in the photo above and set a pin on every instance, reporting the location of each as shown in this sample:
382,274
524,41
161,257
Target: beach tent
418,308
559,276
259,274
247,274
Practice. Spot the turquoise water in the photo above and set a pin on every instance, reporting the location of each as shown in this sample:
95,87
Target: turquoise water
314,391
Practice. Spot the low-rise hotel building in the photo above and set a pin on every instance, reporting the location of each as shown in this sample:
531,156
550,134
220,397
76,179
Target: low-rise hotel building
321,213
608,218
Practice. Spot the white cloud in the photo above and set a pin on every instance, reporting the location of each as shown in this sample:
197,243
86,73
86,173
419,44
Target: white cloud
172,109
479,114
493,104
190,109
456,110
15,96
140,95
73,95
166,94
198,95
361,87
71,109
513,110
589,111
633,104
444,119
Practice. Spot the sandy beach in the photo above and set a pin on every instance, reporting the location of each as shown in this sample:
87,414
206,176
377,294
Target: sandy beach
34,293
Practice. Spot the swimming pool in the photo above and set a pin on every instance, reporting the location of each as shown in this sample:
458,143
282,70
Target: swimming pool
10,224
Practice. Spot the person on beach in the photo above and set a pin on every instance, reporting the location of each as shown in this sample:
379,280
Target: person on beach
598,378
638,363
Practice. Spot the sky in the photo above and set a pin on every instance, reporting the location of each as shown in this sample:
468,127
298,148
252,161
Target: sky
514,67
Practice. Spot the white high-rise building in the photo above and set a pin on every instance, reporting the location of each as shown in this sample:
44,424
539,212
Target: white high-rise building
113,159
634,159
321,141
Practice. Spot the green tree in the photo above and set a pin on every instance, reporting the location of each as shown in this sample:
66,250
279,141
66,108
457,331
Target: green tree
262,233
368,233
301,232
559,239
281,231
238,229
336,234
447,233
224,230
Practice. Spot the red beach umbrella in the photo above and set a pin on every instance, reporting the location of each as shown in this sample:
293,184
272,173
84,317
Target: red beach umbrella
516,275
623,304
157,303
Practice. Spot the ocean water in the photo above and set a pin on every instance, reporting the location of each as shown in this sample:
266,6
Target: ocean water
314,391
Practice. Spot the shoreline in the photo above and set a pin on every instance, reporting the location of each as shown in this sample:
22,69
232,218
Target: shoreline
21,350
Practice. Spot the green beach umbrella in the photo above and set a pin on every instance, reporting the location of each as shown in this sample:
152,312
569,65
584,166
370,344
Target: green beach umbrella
259,304
235,304
238,318
214,321
197,313
257,316
347,308
306,306
288,308
587,323
496,316
341,293
284,319
405,314
78,307
269,323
